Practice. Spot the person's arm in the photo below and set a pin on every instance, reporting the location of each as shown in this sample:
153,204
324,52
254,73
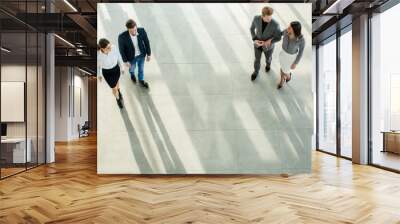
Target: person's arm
120,62
277,36
253,29
99,68
146,43
300,53
121,46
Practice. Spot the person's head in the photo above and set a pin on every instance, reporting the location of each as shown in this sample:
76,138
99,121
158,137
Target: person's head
104,45
131,26
266,14
294,28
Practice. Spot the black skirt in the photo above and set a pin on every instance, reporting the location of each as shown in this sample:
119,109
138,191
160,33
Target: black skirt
111,75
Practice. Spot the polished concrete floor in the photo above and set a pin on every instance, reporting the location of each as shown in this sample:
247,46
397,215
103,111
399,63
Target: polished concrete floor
70,191
202,113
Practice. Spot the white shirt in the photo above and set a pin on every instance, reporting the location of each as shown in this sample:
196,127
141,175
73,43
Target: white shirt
135,44
108,61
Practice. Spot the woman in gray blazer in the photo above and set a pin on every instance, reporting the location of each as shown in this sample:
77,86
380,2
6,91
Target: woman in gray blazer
292,50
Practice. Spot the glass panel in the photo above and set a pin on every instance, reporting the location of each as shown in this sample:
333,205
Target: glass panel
327,97
17,6
314,71
346,93
41,99
23,87
31,98
41,88
385,90
13,87
32,86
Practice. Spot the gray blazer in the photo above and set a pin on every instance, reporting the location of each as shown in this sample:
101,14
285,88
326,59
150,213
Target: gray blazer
271,31
293,46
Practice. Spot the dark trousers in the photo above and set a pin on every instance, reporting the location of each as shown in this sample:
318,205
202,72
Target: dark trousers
257,61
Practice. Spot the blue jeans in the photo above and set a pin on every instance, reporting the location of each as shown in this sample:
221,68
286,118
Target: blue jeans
139,60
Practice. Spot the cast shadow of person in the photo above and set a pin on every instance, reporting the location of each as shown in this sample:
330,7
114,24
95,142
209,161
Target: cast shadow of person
159,135
166,148
135,145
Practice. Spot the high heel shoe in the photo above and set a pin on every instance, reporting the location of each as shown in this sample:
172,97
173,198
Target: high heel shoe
280,85
290,77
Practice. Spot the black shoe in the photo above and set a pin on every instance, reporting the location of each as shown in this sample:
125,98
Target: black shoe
144,84
267,68
133,78
254,76
120,104
280,86
120,95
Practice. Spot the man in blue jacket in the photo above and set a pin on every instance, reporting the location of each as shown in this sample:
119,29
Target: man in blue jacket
134,47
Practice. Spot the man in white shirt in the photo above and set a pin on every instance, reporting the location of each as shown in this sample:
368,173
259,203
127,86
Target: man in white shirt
134,47
135,44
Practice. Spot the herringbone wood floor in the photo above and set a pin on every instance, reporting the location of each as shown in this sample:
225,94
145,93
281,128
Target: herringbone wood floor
69,191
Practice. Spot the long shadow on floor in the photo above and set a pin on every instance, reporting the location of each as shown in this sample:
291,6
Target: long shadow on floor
168,153
136,147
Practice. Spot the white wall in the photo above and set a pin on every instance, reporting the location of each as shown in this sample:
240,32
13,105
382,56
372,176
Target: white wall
34,125
12,73
69,79
81,84
61,103
202,113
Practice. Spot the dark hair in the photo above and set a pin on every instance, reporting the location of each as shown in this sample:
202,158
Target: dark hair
102,43
296,26
130,24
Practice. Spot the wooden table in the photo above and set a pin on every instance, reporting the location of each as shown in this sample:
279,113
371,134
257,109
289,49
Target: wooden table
391,141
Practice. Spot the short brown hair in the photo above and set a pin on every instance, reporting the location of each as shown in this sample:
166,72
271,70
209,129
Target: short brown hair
130,24
267,11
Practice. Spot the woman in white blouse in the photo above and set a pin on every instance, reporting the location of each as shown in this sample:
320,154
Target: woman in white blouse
109,63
